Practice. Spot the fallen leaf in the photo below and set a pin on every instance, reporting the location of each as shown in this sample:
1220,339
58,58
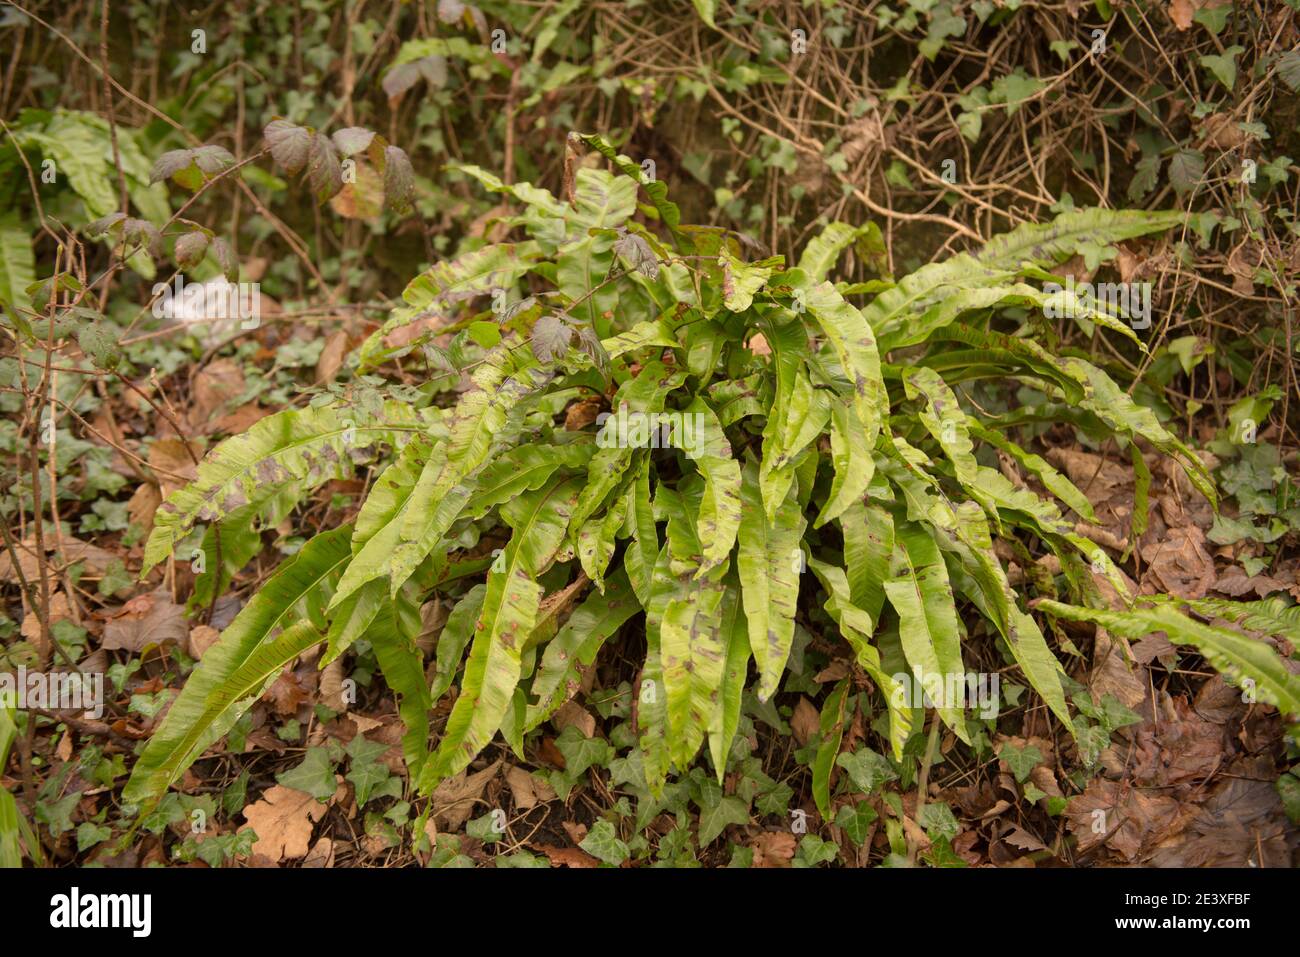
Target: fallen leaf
283,821
572,713
527,789
805,722
320,855
147,620
143,504
773,849
568,856
454,799
202,637
332,356
173,467
1182,12
216,384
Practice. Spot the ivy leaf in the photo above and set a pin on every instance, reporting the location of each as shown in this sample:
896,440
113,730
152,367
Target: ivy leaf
1022,761
484,828
868,769
368,772
1013,89
315,775
581,752
602,842
939,822
856,820
1223,66
715,815
814,850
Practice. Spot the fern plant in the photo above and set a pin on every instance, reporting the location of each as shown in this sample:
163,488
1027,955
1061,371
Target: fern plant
766,449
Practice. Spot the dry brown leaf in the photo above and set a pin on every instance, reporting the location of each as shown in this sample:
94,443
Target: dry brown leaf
805,722
1182,12
202,637
581,414
577,831
219,382
331,686
320,855
1019,837
283,820
332,356
143,504
61,552
527,789
1179,564
31,628
149,619
172,465
239,421
572,713
568,856
453,800
773,849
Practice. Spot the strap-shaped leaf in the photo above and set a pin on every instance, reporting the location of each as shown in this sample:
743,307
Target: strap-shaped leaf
442,489
1105,399
726,712
719,518
509,613
624,433
943,419
596,540
769,561
1064,236
575,645
655,189
392,634
298,447
851,460
378,532
850,335
1272,615
283,619
857,626
797,420
522,469
824,250
455,638
652,702
693,649
868,550
1040,468
475,273
927,623
643,548
1246,661
830,733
